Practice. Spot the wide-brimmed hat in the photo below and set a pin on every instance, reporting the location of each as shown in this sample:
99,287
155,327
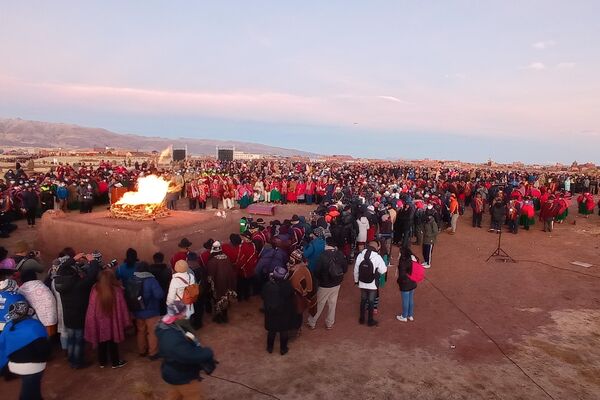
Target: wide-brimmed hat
184,243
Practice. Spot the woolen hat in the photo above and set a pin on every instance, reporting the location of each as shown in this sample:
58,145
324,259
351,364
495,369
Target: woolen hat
216,247
8,264
280,273
296,256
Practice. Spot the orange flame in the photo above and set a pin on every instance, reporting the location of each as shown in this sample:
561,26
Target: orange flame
151,190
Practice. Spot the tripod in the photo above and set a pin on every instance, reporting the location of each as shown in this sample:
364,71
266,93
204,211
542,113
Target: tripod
499,252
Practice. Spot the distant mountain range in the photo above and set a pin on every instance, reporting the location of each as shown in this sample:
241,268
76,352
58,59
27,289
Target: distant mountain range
16,132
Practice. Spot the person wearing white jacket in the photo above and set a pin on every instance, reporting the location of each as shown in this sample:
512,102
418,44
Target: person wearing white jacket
367,281
182,277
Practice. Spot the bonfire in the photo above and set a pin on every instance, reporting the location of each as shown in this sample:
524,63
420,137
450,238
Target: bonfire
147,203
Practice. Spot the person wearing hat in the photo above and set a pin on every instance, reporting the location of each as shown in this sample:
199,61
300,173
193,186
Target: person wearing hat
183,355
74,285
9,290
182,277
24,348
184,248
304,287
222,281
279,308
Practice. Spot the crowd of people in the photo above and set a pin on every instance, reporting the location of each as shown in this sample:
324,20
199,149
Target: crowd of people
296,265
228,185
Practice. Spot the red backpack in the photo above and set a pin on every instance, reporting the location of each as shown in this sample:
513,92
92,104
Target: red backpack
418,272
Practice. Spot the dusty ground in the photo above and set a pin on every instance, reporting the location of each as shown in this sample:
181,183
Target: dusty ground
472,319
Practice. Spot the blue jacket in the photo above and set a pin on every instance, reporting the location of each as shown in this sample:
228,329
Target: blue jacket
183,357
23,333
152,294
313,251
270,258
6,299
62,193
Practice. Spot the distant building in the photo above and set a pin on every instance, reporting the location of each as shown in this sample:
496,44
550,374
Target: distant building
240,155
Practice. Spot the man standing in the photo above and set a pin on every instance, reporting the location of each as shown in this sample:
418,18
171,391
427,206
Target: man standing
329,272
368,264
30,203
453,209
430,231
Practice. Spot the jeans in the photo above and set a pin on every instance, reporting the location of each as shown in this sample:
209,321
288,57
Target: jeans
477,217
513,226
408,303
75,347
31,212
309,199
427,252
108,348
31,387
367,303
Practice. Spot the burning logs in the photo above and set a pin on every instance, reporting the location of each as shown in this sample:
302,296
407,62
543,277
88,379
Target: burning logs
139,212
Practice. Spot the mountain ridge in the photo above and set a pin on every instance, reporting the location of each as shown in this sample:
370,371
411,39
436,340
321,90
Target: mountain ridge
17,132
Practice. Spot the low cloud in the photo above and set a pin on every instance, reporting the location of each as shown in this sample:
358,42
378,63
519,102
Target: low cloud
543,44
536,66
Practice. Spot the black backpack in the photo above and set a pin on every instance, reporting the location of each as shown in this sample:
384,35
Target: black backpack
133,294
335,270
366,274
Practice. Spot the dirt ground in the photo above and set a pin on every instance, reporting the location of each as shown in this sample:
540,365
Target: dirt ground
482,330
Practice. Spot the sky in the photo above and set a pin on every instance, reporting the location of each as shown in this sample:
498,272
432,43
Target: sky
470,80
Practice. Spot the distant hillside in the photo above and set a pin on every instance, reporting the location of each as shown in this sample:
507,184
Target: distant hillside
23,133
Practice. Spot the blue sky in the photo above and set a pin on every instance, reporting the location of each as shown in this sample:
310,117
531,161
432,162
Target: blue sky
510,80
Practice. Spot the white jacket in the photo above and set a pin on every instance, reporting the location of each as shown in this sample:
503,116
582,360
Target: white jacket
363,226
41,300
378,266
176,290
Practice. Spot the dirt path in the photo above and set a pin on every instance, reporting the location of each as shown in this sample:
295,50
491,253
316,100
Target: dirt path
472,319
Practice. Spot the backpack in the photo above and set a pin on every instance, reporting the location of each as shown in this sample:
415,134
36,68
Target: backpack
191,292
418,272
334,269
366,274
134,294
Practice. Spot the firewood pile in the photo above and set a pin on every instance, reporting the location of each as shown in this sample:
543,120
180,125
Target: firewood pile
139,212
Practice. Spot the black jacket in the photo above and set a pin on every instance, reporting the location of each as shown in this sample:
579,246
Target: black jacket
75,295
278,305
405,268
322,274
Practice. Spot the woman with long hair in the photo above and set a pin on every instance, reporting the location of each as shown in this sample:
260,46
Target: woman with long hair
407,285
106,319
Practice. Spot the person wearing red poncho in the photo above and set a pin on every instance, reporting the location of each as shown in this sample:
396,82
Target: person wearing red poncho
547,214
527,214
586,204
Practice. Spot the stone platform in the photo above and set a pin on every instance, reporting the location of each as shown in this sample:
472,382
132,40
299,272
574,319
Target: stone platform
98,231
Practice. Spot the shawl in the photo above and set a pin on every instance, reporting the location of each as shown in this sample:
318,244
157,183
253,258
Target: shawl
100,327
